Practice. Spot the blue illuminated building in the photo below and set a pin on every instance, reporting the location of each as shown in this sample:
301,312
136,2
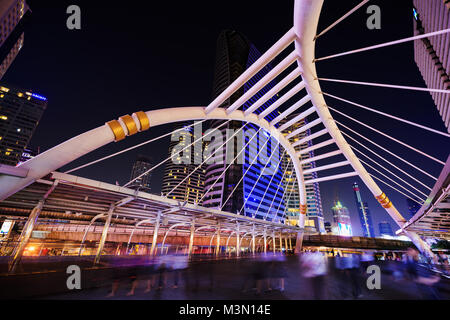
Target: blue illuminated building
268,197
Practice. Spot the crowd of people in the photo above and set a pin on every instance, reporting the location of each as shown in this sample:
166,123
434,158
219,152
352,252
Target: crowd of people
326,275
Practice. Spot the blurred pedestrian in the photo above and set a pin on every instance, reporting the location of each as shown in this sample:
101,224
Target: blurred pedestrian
314,267
422,276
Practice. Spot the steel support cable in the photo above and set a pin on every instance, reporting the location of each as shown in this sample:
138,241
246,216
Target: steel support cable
404,172
387,115
257,180
278,188
284,192
389,178
271,179
341,18
387,136
386,44
200,165
229,165
130,148
170,157
242,178
375,177
385,85
386,150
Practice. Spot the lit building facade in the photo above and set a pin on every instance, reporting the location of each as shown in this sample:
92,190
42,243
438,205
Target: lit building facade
231,58
13,16
432,53
314,215
178,168
364,213
385,229
342,225
234,54
20,113
266,200
140,166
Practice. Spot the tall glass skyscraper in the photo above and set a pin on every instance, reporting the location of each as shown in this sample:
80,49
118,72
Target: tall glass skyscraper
314,212
234,55
265,195
364,213
183,173
13,16
231,60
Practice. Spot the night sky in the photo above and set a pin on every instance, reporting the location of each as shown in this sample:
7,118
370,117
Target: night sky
132,58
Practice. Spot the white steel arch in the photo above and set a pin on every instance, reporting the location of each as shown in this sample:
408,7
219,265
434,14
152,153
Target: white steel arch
303,35
306,18
117,130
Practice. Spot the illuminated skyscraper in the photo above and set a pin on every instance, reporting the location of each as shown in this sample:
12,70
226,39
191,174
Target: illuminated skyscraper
234,54
178,168
13,16
341,218
231,59
292,199
140,166
20,113
364,213
432,53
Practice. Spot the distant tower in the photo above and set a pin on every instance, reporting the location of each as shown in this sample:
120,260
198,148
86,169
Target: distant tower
20,113
14,14
140,166
364,213
341,218
431,53
385,229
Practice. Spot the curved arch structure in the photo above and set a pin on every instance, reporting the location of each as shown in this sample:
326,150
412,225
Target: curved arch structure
303,35
117,130
306,18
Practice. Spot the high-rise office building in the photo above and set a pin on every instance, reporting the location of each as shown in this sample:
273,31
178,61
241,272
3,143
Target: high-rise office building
234,54
181,174
231,59
314,213
14,14
364,213
431,53
262,198
413,207
20,113
385,229
341,218
140,167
